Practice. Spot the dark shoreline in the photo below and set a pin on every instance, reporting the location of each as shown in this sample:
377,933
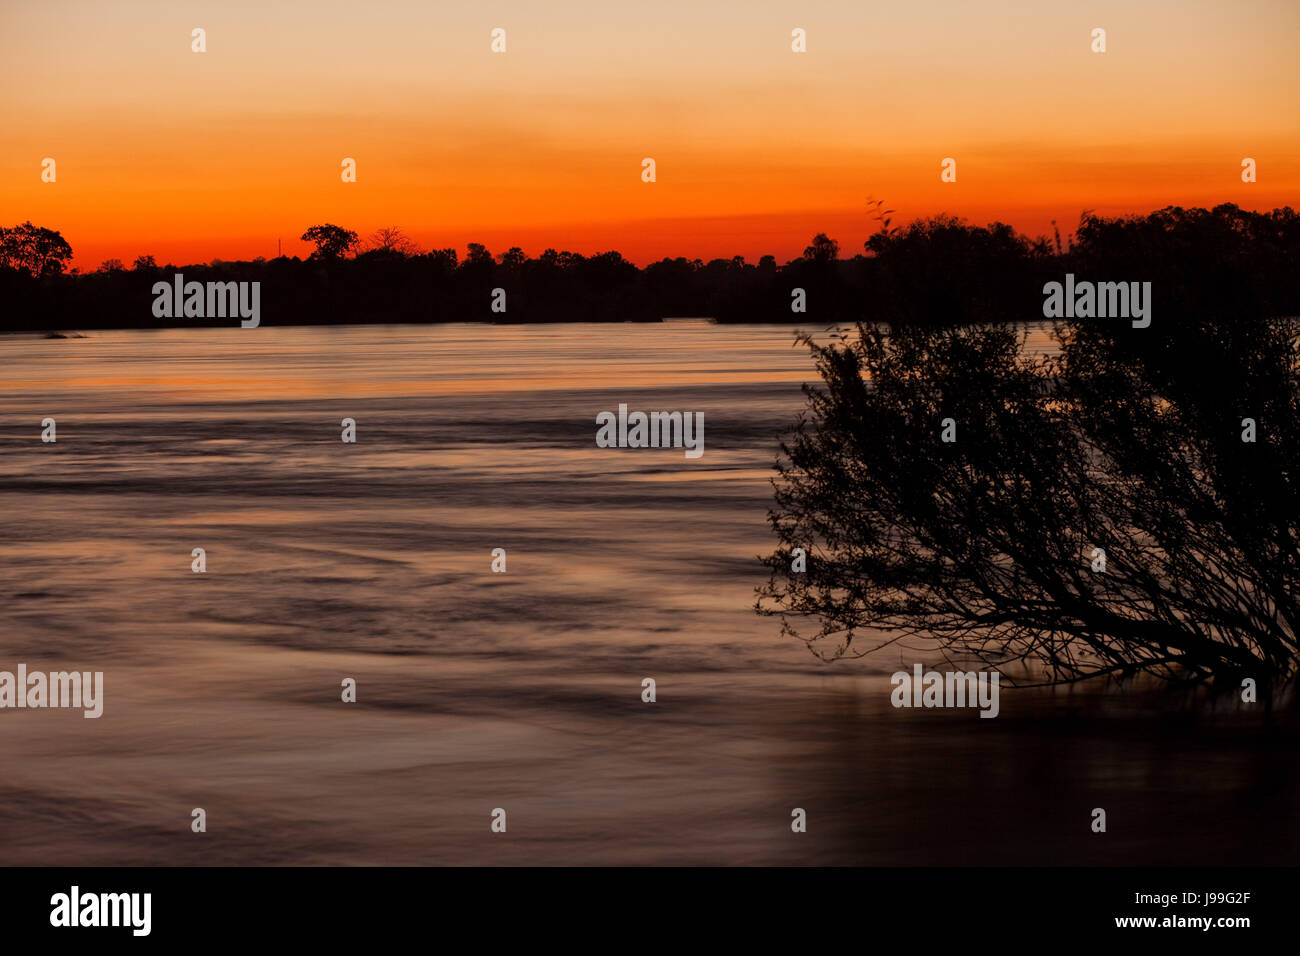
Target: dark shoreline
1226,264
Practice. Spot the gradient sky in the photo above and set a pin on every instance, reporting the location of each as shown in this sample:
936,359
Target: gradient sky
190,157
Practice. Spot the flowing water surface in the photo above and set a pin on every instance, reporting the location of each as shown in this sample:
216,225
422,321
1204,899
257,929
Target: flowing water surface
520,690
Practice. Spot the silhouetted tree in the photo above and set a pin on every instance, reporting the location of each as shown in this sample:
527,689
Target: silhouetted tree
332,242
34,249
945,271
823,249
392,241
1127,442
1224,262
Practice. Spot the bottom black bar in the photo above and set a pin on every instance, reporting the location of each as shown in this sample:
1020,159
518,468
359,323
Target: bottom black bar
618,907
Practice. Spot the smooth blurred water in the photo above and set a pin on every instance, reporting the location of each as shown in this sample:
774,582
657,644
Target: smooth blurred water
520,690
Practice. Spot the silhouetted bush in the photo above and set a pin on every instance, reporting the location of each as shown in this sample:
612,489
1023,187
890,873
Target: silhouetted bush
1127,442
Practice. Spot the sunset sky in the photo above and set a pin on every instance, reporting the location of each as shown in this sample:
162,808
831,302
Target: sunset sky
191,157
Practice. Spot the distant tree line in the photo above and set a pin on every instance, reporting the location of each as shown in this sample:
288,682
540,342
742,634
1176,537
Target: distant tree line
939,271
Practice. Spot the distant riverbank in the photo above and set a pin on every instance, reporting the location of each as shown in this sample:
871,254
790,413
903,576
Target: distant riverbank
1228,264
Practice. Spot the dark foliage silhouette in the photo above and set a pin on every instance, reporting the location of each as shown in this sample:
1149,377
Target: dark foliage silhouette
941,271
332,242
33,250
1128,441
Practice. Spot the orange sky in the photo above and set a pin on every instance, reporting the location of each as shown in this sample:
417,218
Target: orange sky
190,156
